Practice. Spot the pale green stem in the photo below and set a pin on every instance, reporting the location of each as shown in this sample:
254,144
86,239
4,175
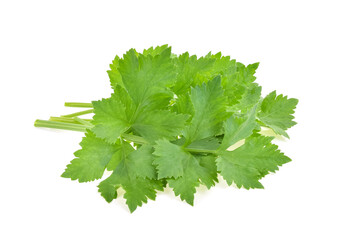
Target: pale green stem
62,119
60,125
134,138
78,113
82,128
196,150
78,104
83,121
67,119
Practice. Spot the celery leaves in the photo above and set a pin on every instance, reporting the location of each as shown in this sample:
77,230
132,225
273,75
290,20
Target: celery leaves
174,120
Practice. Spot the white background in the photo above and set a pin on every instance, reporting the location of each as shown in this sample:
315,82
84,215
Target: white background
57,51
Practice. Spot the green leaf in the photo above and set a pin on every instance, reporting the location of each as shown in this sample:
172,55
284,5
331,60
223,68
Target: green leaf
208,171
170,159
108,190
159,124
188,68
276,112
109,119
193,175
145,75
250,98
132,174
236,78
239,128
122,150
91,160
183,105
140,163
120,95
186,185
137,190
114,74
155,51
247,164
183,169
210,143
209,111
242,175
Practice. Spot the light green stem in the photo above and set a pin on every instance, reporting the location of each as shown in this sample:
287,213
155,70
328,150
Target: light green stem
83,121
85,125
78,113
78,104
63,119
196,150
67,119
134,138
60,125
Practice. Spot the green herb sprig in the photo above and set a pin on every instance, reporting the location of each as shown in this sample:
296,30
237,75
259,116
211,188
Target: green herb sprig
175,120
